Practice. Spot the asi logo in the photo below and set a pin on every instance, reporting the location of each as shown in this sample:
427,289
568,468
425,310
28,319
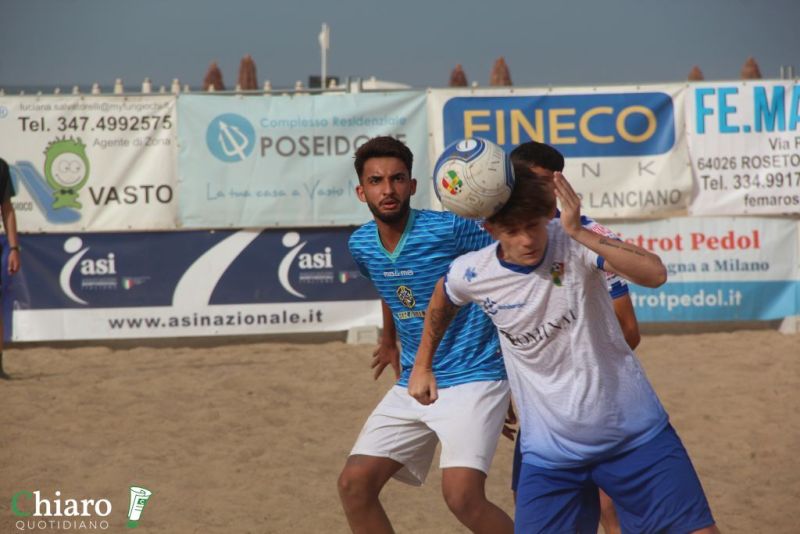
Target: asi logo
99,273
66,169
230,137
315,267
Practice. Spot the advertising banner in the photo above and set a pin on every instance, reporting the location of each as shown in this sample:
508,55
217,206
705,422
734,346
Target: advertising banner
625,147
720,269
744,141
266,161
190,283
91,163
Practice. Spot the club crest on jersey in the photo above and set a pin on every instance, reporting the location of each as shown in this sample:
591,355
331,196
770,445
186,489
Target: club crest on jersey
454,184
406,296
557,272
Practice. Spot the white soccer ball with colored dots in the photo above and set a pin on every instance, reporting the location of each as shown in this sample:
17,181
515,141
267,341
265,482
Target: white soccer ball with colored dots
473,178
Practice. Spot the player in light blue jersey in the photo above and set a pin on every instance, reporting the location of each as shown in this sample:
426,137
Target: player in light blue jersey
405,252
590,417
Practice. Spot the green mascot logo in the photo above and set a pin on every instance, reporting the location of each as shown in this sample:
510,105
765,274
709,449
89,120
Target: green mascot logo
66,169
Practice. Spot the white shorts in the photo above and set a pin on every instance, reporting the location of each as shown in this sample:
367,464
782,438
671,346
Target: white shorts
467,419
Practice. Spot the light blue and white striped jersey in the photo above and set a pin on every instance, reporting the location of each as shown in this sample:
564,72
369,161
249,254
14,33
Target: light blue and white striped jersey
405,279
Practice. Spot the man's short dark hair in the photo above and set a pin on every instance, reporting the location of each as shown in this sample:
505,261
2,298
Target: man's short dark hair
383,147
532,197
539,154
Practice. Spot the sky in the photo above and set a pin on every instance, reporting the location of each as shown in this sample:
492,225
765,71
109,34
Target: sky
417,42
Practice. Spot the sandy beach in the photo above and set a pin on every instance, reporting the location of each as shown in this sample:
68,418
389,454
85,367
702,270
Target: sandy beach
249,436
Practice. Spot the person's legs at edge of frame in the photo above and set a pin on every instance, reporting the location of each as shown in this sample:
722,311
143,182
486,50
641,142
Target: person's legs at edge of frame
656,488
468,421
394,442
3,374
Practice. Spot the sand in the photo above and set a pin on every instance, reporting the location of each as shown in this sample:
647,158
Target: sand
241,436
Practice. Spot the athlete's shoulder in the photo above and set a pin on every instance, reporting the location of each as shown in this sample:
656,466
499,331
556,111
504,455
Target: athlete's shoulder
362,236
477,258
432,216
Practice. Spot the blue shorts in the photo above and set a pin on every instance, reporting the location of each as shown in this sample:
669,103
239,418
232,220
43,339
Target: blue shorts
517,465
654,488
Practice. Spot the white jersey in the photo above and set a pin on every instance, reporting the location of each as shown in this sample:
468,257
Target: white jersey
581,392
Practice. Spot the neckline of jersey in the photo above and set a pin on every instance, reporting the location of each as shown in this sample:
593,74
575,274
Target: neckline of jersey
400,244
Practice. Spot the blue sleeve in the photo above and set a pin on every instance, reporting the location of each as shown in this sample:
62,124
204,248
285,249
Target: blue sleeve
469,235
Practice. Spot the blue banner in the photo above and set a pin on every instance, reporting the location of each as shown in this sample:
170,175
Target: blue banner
94,286
262,161
579,126
717,301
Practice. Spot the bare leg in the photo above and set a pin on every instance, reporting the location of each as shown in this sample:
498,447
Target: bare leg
3,374
608,515
360,484
464,493
708,530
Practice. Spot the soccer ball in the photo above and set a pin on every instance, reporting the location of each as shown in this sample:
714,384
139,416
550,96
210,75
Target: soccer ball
473,178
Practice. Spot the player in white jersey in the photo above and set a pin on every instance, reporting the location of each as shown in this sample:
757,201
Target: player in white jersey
544,160
589,415
405,252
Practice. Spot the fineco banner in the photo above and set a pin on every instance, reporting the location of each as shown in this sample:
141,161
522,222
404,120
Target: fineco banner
261,161
189,283
744,140
720,269
625,147
91,163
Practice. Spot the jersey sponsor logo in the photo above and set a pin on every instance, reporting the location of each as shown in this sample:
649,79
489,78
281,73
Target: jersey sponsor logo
557,272
491,307
542,332
398,273
411,315
406,296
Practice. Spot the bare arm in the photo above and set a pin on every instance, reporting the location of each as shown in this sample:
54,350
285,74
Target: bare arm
629,261
439,315
386,353
10,225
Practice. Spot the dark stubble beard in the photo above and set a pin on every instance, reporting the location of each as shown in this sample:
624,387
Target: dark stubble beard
391,218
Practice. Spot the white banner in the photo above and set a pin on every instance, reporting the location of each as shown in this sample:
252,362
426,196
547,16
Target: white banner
167,321
625,146
744,141
720,269
91,163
